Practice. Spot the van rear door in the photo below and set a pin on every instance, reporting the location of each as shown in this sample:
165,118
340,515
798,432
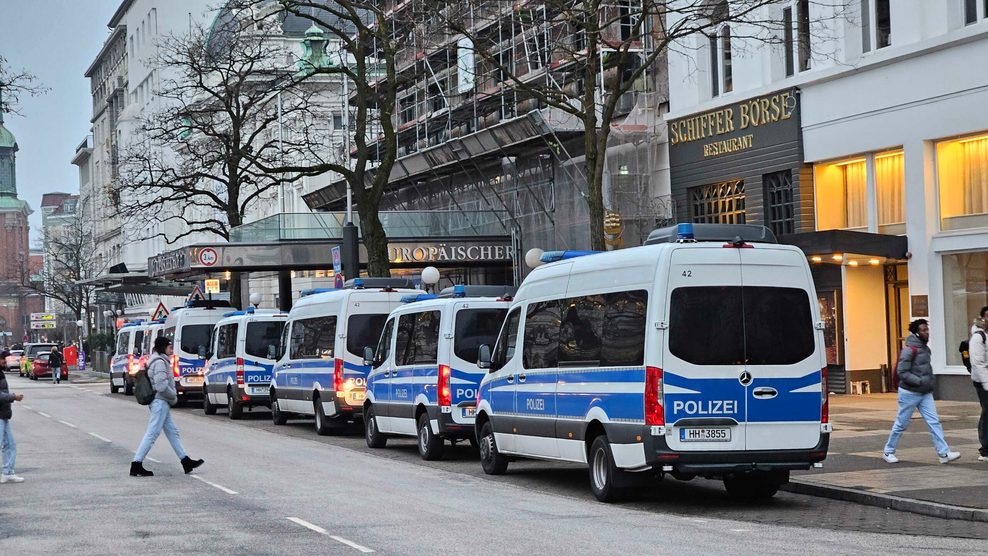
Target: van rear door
703,362
784,351
365,317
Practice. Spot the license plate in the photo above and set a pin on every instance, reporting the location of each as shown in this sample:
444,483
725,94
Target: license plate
705,434
354,398
191,381
469,411
255,390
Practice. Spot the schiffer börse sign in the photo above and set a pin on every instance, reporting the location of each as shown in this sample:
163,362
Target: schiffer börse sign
733,129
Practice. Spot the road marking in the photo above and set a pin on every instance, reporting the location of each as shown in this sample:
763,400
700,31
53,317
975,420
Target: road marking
214,485
43,414
152,459
103,438
322,531
68,424
28,407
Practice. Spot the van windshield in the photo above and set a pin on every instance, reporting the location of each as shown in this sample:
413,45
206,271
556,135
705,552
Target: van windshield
363,331
261,336
195,336
475,327
735,325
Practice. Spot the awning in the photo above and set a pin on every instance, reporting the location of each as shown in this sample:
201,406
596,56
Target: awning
845,241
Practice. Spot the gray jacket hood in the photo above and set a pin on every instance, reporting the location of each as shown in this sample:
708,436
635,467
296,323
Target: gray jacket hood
915,368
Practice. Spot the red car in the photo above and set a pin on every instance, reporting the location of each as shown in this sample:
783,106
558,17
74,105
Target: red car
41,369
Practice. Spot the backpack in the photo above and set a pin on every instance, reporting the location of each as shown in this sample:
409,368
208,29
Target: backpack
143,389
965,349
895,369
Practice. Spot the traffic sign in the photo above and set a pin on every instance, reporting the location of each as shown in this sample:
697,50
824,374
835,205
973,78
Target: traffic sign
43,316
338,281
42,325
160,312
337,259
213,285
208,256
196,294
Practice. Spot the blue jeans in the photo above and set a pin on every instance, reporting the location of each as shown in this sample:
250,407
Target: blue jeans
9,447
161,419
908,402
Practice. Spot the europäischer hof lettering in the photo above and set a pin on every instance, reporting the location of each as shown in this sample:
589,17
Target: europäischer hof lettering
748,114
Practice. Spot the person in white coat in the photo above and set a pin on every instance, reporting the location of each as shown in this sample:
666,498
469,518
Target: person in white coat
978,346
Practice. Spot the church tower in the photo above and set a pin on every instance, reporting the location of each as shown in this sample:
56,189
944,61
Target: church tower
14,243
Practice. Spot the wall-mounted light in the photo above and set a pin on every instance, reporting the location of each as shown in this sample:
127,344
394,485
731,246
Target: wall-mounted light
838,257
227,274
874,262
816,259
852,263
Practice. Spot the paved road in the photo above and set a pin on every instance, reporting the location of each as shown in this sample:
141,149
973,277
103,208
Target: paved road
274,490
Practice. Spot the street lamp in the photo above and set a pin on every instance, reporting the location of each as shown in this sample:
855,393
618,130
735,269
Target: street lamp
430,276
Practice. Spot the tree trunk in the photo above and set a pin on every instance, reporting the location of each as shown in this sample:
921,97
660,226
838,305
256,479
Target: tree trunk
234,287
375,240
594,168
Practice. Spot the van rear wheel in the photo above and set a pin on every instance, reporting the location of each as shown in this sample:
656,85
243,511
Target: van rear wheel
490,459
373,436
128,388
113,387
277,416
755,486
430,445
603,471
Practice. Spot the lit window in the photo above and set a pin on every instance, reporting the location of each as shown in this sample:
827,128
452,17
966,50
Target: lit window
841,195
890,185
962,175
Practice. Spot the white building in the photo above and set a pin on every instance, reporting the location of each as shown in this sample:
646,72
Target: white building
860,124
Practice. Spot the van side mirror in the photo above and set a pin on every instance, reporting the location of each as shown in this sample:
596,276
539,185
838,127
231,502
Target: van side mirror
202,352
368,356
272,351
484,356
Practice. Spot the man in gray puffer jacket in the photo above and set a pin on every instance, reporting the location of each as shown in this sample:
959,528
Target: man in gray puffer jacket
916,392
165,396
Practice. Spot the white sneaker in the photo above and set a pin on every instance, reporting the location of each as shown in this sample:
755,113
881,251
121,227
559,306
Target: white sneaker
982,458
951,456
890,458
11,479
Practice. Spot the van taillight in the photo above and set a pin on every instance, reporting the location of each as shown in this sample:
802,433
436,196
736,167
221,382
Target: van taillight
824,397
130,364
338,375
240,371
175,366
445,397
654,413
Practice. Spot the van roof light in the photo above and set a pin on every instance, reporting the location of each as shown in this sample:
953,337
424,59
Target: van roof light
314,291
553,256
413,297
358,283
684,232
459,290
750,233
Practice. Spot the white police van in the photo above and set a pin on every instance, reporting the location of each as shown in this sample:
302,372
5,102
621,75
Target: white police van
241,360
424,377
125,361
692,355
190,328
321,370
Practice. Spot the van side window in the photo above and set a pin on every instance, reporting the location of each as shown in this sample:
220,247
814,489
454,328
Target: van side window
138,342
283,344
384,343
226,341
582,319
261,335
507,341
623,338
123,338
475,327
418,339
541,347
313,338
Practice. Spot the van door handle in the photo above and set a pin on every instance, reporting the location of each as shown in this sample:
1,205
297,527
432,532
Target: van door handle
765,393
521,378
511,378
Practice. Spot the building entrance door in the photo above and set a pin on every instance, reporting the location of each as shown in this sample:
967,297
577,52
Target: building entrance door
897,304
833,338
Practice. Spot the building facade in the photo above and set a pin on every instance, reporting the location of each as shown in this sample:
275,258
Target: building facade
882,174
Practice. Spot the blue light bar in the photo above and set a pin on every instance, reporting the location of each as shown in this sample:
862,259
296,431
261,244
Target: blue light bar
314,291
234,314
358,283
413,297
553,256
459,290
684,232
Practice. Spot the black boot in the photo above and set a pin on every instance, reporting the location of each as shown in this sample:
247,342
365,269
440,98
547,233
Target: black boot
189,464
137,470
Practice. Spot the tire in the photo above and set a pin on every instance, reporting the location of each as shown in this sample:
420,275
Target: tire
33,377
235,409
490,459
113,387
755,486
430,445
323,428
128,388
277,417
374,437
207,406
603,471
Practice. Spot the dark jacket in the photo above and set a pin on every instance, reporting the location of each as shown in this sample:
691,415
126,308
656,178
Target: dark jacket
915,373
55,360
6,398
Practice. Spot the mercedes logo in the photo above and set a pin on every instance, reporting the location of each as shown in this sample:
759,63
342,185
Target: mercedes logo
745,378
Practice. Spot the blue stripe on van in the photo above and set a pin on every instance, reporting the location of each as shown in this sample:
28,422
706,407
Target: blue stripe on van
727,397
787,405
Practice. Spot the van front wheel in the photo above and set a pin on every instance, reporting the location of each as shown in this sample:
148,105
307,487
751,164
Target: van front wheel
603,471
207,406
372,434
278,417
490,459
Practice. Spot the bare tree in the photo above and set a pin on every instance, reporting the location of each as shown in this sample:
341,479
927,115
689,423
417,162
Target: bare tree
14,84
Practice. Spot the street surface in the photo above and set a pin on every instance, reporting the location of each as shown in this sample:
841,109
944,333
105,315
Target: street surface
285,490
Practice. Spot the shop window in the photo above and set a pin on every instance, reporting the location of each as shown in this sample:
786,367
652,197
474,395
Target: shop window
780,202
890,183
965,292
841,195
962,175
719,203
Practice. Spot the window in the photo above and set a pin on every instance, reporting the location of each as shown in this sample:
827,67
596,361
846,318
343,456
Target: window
123,342
384,343
787,41
890,183
719,203
226,341
138,342
842,195
623,339
337,120
541,346
580,328
507,341
734,325
971,11
195,336
865,25
780,202
313,338
721,77
962,176
261,336
473,328
363,331
803,33
883,24
725,58
714,67
965,283
418,339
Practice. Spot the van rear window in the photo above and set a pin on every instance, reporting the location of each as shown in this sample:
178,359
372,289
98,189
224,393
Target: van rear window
363,331
313,338
735,325
418,339
195,336
261,336
475,327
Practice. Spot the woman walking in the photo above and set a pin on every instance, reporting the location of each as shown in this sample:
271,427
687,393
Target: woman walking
165,397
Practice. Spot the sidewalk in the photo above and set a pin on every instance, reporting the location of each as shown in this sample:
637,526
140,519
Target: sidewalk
854,469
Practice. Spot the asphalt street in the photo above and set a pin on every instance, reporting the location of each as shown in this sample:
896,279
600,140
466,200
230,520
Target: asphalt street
285,490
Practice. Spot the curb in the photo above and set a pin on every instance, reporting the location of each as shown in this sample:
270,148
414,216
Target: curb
888,501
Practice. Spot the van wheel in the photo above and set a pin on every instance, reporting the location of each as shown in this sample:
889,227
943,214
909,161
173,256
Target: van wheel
603,471
374,437
128,388
233,406
490,459
207,406
755,486
323,428
430,445
113,387
277,416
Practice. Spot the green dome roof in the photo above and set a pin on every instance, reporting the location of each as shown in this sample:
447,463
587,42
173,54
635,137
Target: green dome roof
6,137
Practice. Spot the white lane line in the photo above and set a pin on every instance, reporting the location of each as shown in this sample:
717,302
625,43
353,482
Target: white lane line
68,424
322,531
43,414
27,407
152,459
103,438
214,485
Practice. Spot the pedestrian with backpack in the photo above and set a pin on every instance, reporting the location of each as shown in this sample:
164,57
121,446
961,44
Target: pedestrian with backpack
165,396
915,375
979,377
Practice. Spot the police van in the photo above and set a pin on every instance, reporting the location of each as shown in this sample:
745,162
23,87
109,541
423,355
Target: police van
190,328
127,352
241,359
698,354
424,376
321,370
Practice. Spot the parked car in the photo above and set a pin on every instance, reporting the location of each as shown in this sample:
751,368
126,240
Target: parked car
40,368
13,360
31,351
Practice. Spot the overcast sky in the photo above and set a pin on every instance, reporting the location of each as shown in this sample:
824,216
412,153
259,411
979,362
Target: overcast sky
56,40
